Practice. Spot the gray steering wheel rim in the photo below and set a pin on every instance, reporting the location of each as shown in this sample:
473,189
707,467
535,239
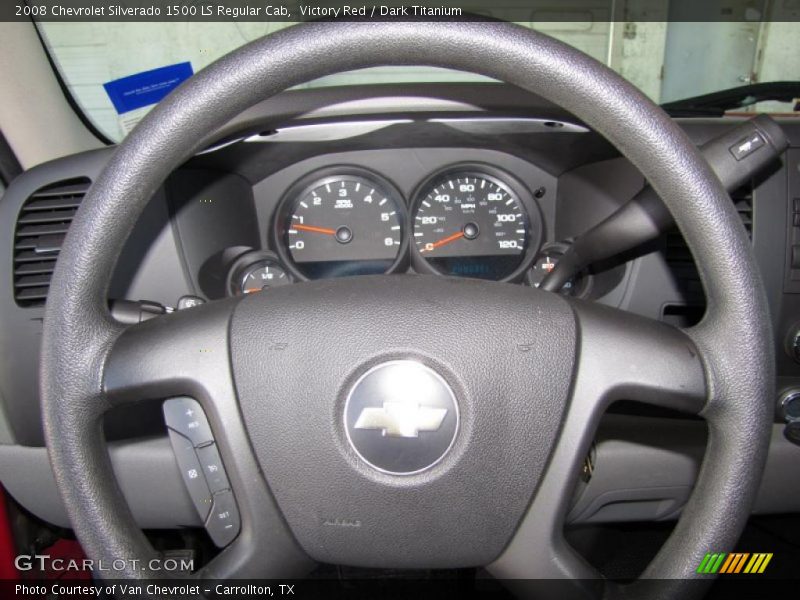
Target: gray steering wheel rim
735,338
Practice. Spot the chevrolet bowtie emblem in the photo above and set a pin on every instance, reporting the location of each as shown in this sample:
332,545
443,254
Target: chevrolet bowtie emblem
401,419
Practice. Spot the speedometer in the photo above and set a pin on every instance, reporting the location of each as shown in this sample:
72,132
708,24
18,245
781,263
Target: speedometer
341,222
472,222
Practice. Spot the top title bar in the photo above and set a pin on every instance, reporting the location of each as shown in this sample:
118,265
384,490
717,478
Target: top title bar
526,11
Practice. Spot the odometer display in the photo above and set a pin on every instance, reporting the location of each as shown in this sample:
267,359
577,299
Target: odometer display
341,225
472,224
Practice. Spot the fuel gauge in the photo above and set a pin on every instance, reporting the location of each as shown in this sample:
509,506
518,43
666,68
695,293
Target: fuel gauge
262,277
256,271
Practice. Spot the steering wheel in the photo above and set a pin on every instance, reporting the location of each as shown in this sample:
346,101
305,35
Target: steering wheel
506,384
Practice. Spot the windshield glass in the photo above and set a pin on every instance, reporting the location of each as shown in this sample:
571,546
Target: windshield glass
116,72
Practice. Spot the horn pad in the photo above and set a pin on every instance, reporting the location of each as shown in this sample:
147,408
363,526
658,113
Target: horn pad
403,421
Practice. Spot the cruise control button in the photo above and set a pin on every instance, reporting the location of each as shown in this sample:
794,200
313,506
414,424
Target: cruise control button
192,473
213,469
186,416
223,523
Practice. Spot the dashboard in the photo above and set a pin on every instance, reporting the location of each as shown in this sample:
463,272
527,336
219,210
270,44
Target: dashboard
438,180
460,212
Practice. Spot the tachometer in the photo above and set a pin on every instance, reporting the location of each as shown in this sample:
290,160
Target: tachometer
345,222
473,223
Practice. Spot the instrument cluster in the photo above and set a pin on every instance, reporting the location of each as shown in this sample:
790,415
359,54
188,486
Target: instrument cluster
465,220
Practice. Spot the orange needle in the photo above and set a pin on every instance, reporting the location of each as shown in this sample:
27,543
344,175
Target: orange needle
442,242
314,229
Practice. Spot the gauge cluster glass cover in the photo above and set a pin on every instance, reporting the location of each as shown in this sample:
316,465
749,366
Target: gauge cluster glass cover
341,222
475,221
255,271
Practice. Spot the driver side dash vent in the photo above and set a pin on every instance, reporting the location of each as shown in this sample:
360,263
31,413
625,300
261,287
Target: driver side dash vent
42,224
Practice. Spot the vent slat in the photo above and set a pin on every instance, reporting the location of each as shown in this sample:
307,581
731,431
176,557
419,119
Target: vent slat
28,281
39,230
43,244
74,187
25,244
57,203
27,256
35,268
47,244
47,216
36,294
43,221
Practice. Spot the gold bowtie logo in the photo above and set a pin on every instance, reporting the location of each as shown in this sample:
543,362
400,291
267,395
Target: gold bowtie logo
401,419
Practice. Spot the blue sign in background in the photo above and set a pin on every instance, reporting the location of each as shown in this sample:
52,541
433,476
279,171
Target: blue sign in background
147,87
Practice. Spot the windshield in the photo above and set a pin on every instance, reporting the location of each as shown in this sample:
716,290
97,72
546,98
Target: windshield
116,72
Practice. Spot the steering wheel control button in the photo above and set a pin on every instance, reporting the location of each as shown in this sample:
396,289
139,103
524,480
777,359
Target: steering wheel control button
202,469
223,523
213,468
192,473
401,417
186,416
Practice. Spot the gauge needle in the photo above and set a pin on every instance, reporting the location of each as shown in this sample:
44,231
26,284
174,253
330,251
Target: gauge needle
443,241
324,230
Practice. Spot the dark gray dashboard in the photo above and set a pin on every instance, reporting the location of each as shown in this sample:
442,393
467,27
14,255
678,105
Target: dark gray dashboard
224,201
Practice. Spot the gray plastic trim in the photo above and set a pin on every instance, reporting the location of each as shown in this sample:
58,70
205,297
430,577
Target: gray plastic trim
649,466
509,125
636,458
325,132
146,471
6,435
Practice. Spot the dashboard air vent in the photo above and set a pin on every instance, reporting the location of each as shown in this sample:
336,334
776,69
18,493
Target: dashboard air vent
41,226
743,201
681,263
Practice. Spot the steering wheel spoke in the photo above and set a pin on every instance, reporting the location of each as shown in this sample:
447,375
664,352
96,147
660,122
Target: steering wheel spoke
182,354
620,356
186,355
623,356
539,562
